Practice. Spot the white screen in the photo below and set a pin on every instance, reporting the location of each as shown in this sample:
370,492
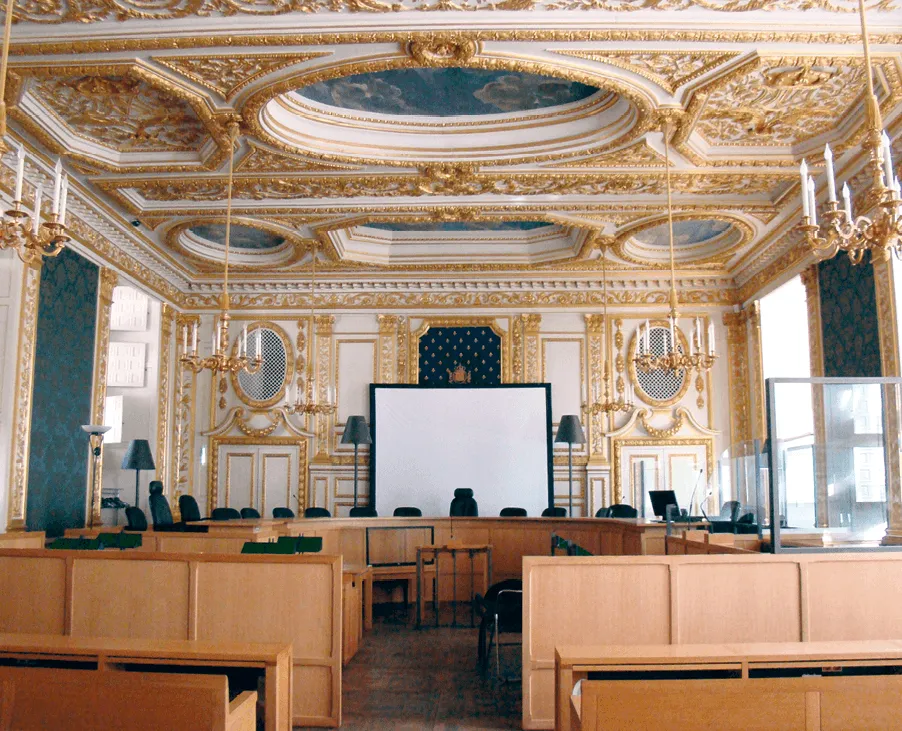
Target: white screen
430,441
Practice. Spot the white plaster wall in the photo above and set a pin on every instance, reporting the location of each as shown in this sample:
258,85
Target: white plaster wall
10,288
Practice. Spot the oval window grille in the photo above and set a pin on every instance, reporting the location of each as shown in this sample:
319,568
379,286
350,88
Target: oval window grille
662,384
266,383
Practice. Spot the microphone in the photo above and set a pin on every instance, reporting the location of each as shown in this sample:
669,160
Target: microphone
695,489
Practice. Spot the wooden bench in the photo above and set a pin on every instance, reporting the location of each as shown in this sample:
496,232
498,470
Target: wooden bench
112,654
783,704
728,668
40,699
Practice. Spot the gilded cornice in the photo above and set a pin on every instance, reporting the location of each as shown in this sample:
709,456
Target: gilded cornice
790,260
94,11
264,160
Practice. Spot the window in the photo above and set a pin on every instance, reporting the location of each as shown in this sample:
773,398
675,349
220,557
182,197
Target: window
267,385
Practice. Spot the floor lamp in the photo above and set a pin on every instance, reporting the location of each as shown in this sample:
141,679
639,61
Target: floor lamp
570,432
357,432
137,458
95,432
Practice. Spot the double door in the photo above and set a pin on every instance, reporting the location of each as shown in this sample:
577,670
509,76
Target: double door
258,476
681,468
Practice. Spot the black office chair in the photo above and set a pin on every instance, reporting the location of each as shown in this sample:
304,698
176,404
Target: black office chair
554,513
730,510
408,512
136,519
317,513
160,513
225,514
501,610
282,513
363,511
603,513
188,508
513,512
622,510
250,513
463,505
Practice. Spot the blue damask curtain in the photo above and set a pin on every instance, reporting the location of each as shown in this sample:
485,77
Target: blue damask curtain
460,355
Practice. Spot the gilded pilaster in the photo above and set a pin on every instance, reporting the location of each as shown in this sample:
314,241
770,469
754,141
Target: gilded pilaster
811,283
388,343
757,373
185,400
738,354
164,404
22,397
517,349
323,326
108,281
403,345
595,336
531,325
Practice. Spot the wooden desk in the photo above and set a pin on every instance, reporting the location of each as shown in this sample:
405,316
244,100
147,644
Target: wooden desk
573,663
453,550
112,654
357,603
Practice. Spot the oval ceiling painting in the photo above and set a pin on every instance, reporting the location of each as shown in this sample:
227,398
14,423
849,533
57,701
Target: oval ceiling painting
685,233
247,238
693,240
446,92
461,226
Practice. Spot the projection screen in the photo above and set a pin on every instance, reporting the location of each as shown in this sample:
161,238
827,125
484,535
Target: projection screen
429,441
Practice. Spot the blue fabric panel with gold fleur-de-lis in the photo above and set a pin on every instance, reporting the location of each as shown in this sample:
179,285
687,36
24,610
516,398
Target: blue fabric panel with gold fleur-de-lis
460,355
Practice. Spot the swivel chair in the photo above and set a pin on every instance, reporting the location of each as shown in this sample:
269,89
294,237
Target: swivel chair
554,513
622,510
188,508
317,513
136,519
463,505
250,513
408,512
363,511
282,513
160,513
603,513
225,514
513,512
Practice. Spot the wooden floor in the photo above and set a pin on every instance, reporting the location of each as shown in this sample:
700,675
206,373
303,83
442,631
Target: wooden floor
427,679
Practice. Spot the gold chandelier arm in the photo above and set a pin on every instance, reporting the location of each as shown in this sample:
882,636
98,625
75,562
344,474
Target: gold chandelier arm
673,296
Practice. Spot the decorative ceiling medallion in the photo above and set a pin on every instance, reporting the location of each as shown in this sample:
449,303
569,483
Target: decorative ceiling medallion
229,74
669,69
93,11
697,240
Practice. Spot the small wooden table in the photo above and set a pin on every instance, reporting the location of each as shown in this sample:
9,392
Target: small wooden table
453,549
115,654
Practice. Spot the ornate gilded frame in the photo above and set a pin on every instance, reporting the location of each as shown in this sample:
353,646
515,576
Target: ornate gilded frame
289,364
430,322
637,387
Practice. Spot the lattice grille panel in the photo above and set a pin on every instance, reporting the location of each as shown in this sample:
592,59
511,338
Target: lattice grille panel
267,382
662,384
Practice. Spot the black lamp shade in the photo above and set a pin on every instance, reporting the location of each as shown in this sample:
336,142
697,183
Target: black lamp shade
570,431
138,456
356,431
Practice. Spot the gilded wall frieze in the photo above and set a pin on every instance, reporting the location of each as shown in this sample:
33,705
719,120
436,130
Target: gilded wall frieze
228,74
639,155
94,11
669,69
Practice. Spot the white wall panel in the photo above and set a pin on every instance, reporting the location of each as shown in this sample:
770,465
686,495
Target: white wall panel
356,369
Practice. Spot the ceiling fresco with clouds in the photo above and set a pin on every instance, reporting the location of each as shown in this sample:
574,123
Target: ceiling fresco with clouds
240,237
452,226
685,233
446,92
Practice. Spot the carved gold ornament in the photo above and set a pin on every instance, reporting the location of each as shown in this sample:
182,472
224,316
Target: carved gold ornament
443,50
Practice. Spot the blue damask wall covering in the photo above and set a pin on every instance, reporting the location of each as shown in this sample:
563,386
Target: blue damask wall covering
460,355
849,318
63,377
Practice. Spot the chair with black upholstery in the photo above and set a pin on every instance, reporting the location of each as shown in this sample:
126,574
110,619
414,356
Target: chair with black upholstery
501,610
188,508
603,513
136,519
513,513
622,510
282,513
730,511
250,513
554,513
160,513
408,512
464,505
317,513
363,511
225,514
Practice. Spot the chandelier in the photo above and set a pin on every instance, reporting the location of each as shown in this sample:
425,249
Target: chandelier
841,231
220,361
621,403
701,355
304,401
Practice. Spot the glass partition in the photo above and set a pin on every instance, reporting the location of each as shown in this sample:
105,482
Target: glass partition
832,444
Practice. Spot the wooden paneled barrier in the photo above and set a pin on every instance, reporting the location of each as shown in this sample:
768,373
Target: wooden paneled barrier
700,543
86,700
699,599
22,539
166,596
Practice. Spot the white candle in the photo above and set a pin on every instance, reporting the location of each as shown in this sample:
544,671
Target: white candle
647,337
36,216
244,340
57,182
20,173
831,182
812,203
64,199
194,339
672,339
803,173
847,201
259,353
710,338
185,338
887,160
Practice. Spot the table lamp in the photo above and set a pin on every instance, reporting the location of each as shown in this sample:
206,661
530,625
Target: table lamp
357,432
137,458
570,432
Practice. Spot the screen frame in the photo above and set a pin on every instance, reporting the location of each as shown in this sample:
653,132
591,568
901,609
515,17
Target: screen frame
549,426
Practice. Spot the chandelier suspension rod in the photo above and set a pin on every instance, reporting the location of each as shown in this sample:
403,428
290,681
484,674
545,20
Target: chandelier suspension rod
233,136
673,295
867,64
4,63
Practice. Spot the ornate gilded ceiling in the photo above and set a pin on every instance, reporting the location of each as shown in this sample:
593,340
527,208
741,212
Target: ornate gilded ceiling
494,149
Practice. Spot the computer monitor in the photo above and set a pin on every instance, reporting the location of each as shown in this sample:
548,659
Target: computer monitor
660,499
